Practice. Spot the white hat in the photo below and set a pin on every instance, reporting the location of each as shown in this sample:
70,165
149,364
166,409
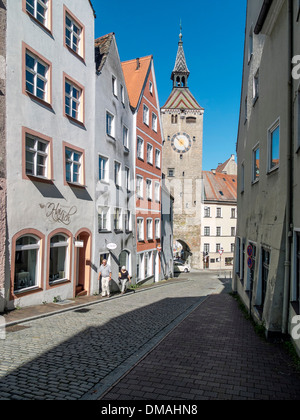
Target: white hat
123,268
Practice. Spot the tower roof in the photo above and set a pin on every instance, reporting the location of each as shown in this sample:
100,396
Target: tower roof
180,63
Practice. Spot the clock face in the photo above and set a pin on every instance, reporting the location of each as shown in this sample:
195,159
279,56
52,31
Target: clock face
181,142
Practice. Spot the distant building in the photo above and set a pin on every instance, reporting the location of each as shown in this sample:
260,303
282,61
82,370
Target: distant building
167,241
114,164
267,266
141,85
182,119
219,216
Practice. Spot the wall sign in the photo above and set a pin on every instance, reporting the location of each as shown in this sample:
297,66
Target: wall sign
58,213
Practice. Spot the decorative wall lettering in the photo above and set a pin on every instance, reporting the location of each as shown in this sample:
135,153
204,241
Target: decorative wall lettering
58,213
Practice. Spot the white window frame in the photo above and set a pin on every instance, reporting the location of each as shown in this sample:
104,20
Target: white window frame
125,134
104,169
72,163
22,248
139,186
104,215
157,158
149,189
157,229
127,178
140,229
150,153
43,20
256,87
149,229
36,152
157,191
145,114
110,124
140,148
128,221
122,94
117,173
75,102
154,122
72,28
118,219
151,87
34,71
114,83
272,130
65,244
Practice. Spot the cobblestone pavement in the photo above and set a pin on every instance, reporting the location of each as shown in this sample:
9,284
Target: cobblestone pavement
214,354
79,354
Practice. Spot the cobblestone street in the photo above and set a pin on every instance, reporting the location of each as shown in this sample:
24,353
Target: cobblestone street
80,353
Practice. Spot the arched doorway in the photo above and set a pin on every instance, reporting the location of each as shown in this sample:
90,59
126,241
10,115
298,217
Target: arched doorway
182,251
125,260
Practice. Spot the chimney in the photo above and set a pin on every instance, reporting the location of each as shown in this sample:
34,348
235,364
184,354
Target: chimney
138,65
213,171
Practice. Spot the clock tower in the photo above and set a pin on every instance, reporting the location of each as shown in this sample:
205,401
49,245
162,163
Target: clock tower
182,120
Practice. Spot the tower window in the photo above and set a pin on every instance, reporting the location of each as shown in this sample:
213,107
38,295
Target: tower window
174,119
191,120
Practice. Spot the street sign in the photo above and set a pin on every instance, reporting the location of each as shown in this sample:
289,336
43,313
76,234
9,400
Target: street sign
221,251
250,262
250,250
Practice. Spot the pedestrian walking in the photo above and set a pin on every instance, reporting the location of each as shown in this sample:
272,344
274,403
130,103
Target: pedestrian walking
124,279
105,274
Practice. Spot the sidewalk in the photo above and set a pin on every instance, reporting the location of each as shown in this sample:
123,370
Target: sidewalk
214,354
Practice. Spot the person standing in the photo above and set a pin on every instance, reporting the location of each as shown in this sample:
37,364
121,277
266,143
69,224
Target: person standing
124,278
105,274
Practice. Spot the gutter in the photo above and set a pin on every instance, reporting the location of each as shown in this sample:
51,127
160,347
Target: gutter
262,16
289,202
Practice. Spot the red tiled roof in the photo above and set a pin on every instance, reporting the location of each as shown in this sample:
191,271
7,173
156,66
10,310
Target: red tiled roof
219,187
135,73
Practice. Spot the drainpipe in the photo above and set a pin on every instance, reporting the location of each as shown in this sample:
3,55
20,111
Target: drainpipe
289,202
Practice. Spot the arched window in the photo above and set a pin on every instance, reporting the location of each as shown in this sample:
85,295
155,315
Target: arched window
59,258
27,267
183,82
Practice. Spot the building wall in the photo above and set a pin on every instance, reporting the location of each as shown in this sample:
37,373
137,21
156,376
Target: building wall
33,204
261,220
167,254
3,213
107,194
149,209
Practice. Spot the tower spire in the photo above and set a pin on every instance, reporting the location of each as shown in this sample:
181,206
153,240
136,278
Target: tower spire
181,72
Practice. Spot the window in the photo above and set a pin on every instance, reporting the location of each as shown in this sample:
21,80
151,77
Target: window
233,213
74,100
148,264
157,191
255,164
256,87
125,137
103,219
74,166
174,119
273,144
149,189
206,211
103,169
39,9
206,248
58,264
218,231
110,124
157,228
150,153
149,229
246,109
139,186
122,95
114,86
117,174
74,33
146,115
118,219
232,248
140,148
218,247
127,178
206,231
151,87
233,231
128,221
157,158
37,157
242,177
264,274
140,229
219,212
191,120
171,172
37,76
154,122
26,263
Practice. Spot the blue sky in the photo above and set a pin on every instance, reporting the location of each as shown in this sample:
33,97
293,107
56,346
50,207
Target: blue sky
213,41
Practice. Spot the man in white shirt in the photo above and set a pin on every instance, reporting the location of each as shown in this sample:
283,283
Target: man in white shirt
105,273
